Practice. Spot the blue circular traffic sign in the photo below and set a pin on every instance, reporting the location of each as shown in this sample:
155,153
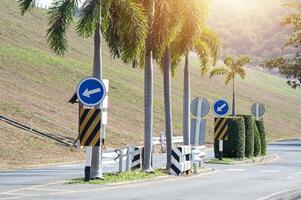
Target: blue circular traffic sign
91,91
221,107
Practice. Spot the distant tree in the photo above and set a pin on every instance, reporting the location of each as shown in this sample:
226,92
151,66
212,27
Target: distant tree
290,65
291,68
232,68
122,22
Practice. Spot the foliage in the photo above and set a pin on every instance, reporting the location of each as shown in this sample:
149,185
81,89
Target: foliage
249,147
232,68
257,141
234,147
123,24
262,135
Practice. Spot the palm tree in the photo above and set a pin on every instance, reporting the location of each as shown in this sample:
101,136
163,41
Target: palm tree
194,36
230,71
166,21
122,22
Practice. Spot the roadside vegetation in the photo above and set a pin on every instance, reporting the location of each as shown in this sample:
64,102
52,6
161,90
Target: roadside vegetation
111,178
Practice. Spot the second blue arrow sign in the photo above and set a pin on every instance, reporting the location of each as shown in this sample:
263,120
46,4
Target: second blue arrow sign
221,107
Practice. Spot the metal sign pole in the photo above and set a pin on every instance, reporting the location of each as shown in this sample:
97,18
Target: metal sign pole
198,121
257,111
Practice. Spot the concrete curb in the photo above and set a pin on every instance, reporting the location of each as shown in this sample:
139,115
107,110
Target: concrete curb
254,161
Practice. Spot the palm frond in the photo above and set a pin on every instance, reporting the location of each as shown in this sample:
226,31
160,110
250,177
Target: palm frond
126,29
218,71
241,72
88,17
229,61
203,51
194,15
61,14
228,78
26,5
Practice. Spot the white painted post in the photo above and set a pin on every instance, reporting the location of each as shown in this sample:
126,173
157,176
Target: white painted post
128,159
220,146
88,163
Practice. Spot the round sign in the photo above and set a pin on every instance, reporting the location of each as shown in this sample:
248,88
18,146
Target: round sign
91,91
258,110
200,107
221,107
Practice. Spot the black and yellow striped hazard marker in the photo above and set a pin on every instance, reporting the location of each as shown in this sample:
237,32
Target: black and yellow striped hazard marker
220,128
89,127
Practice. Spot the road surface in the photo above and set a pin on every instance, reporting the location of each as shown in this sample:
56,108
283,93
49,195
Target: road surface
227,182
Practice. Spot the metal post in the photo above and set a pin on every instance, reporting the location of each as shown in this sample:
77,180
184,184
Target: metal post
128,159
120,160
198,121
220,154
257,111
88,163
195,168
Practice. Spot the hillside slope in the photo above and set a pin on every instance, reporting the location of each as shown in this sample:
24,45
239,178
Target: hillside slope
33,80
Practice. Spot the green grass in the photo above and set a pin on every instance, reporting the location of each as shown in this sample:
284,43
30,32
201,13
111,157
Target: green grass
122,177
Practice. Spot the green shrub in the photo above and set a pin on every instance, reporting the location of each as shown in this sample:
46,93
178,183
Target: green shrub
234,147
216,148
257,143
262,135
249,130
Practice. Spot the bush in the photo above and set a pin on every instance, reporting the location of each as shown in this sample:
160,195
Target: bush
262,135
249,130
257,143
234,147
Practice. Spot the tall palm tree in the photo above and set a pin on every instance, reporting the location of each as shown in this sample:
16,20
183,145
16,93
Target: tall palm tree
167,21
232,69
122,22
194,36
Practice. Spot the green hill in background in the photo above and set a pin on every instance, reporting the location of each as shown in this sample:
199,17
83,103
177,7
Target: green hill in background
33,80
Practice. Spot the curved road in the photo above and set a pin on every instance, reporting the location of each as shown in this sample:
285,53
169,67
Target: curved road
227,182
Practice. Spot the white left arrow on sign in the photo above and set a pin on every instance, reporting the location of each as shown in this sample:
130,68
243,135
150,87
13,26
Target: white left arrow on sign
87,92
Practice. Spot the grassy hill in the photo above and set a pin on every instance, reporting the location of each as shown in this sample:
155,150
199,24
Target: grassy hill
33,80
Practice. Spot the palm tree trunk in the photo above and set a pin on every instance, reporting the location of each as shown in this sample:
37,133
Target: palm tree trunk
96,171
148,93
233,99
167,105
186,102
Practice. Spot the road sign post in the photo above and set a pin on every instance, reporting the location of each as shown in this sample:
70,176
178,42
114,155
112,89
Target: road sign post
200,107
220,108
257,110
91,92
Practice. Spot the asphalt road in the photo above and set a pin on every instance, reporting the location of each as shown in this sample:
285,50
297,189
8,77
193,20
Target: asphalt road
227,182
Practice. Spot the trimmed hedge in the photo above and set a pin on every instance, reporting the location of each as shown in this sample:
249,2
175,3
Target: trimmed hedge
249,130
257,142
262,135
234,147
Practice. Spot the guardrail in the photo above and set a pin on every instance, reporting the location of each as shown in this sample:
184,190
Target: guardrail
162,141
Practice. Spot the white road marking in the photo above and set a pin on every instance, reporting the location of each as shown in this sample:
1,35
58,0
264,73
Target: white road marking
236,170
